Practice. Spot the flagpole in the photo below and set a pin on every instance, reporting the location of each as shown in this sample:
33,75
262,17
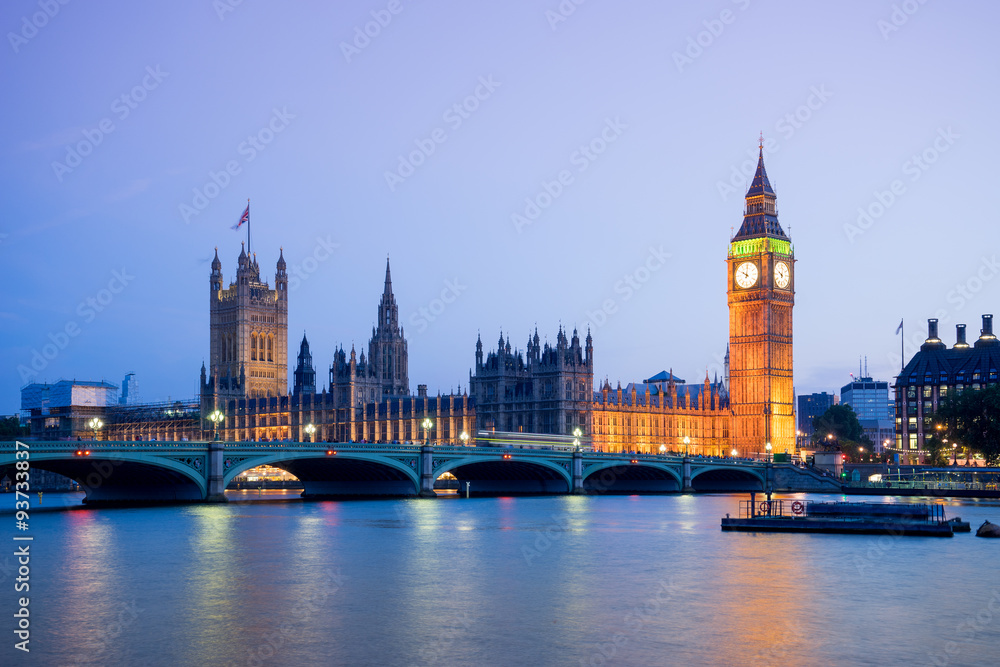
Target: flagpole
902,341
248,226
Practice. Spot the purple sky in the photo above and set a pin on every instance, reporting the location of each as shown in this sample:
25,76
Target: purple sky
850,96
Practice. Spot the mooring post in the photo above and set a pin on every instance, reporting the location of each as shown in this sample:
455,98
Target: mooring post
427,472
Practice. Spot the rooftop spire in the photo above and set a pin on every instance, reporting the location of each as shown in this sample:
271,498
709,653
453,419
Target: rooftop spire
760,217
388,278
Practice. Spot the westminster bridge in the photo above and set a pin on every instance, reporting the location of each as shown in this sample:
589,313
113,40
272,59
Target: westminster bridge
150,471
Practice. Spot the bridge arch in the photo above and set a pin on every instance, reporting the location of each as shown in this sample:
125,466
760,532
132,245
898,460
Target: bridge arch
111,477
493,475
726,478
338,475
626,477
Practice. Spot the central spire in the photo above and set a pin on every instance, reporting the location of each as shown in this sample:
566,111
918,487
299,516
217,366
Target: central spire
760,217
388,278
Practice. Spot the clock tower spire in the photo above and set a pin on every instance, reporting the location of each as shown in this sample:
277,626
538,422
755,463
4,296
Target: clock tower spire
761,293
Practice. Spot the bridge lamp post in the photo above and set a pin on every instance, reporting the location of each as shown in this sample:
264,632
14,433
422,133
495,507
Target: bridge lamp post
954,451
95,425
464,437
733,453
215,418
577,434
768,448
310,429
687,441
663,450
428,425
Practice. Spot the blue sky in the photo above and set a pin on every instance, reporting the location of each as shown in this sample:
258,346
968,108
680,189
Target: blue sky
134,134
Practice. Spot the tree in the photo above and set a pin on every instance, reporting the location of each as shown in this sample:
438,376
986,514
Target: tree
10,427
841,422
971,419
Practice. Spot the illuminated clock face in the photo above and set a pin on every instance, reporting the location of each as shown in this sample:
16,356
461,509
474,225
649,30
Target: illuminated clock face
746,275
781,275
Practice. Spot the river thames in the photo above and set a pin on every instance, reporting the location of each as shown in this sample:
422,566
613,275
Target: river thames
569,580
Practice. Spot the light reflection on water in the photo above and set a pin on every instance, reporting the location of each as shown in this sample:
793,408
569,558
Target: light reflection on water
506,581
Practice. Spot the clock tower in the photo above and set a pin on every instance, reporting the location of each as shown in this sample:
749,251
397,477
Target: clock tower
761,291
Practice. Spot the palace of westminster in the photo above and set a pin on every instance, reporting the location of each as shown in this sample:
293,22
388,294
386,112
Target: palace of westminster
544,389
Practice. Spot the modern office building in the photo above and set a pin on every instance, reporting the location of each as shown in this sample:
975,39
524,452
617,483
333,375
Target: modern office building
812,406
870,401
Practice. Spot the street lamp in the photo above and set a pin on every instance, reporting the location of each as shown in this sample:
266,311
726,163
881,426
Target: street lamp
768,448
687,441
428,425
954,451
310,429
95,425
464,437
663,450
215,418
733,453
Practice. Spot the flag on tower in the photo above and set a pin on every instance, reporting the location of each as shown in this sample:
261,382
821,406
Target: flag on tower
243,218
900,327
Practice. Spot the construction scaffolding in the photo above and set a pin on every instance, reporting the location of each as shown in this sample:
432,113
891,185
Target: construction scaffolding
166,420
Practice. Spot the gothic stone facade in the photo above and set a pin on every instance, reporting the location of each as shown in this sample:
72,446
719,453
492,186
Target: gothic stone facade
546,390
643,418
761,293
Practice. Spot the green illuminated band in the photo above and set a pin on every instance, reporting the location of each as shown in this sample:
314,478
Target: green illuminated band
757,246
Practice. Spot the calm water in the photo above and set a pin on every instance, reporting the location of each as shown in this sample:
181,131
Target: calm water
640,580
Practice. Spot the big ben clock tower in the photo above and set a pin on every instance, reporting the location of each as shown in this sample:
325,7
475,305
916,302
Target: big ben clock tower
761,291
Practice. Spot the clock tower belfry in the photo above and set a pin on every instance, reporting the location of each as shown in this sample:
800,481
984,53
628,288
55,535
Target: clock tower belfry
761,291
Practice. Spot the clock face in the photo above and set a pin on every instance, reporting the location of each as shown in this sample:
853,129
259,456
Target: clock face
746,275
781,275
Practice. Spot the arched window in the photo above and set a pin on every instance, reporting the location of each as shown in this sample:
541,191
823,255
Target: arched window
253,347
270,341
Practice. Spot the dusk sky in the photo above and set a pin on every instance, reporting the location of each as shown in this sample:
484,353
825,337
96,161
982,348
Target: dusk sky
134,134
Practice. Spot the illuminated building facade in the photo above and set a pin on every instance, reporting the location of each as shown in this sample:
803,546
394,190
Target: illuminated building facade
248,337
935,372
761,293
644,417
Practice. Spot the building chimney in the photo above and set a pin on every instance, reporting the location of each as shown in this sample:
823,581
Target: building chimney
960,336
933,342
421,391
987,331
